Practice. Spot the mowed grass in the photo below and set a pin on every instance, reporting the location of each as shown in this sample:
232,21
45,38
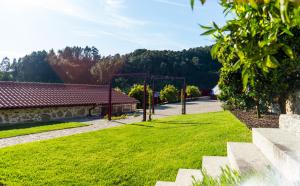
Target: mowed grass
135,154
24,129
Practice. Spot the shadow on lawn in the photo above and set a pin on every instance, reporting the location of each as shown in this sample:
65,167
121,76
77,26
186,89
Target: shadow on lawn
182,123
167,125
141,125
26,125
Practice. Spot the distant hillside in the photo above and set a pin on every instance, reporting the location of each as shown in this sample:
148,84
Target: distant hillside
195,64
87,66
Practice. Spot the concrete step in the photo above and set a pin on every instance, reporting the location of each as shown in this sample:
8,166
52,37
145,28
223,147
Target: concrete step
246,157
290,123
282,148
165,183
213,165
186,177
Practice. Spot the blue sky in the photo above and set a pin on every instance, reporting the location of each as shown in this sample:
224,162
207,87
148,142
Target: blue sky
113,26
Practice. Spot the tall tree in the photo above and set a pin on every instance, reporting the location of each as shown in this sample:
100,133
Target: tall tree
261,44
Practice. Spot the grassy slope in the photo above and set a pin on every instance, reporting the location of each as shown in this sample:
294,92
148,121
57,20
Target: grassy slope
17,130
136,154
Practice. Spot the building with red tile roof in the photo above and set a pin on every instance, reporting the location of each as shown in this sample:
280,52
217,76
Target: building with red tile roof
31,102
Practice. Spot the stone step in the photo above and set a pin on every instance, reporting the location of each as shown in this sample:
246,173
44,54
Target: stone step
246,157
213,165
290,123
282,148
186,177
165,183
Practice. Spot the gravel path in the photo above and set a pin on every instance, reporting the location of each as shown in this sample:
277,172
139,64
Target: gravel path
200,106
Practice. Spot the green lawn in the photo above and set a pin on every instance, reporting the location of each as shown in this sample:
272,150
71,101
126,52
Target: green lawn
23,129
136,154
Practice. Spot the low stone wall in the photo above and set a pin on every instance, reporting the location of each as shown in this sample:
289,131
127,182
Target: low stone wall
31,115
123,108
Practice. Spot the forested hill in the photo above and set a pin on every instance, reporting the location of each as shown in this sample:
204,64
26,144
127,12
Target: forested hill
195,64
87,66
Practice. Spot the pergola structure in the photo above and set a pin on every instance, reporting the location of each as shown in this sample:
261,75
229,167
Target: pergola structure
140,75
183,101
145,77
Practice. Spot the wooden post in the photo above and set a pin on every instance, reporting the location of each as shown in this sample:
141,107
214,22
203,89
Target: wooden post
145,102
109,101
184,98
150,105
153,98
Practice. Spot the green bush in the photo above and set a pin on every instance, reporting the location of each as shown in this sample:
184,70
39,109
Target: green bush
192,91
169,94
137,92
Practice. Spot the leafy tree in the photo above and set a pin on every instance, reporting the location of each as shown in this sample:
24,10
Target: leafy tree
34,68
193,91
169,93
84,65
5,65
196,64
74,64
5,70
137,92
104,69
260,46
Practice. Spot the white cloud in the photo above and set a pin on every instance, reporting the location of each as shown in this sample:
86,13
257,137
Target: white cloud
149,40
109,12
173,3
114,5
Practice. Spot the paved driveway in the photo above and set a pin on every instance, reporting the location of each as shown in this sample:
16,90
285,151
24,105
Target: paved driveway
194,107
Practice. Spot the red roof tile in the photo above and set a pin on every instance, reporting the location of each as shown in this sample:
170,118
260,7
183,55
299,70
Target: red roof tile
27,95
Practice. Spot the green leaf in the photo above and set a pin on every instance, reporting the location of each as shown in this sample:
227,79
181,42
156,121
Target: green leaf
271,62
236,66
288,32
209,32
215,50
241,55
192,2
205,27
216,26
245,78
283,11
253,3
288,51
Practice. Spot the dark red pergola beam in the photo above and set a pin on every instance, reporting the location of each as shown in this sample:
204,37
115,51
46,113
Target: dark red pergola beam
153,78
142,75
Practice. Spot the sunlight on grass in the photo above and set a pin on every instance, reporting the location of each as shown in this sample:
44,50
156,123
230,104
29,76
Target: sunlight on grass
23,129
135,154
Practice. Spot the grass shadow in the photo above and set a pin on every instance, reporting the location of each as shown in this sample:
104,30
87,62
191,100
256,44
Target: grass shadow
182,123
164,127
28,125
141,125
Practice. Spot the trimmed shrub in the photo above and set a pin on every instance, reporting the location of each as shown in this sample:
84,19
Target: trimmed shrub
169,94
192,91
137,92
